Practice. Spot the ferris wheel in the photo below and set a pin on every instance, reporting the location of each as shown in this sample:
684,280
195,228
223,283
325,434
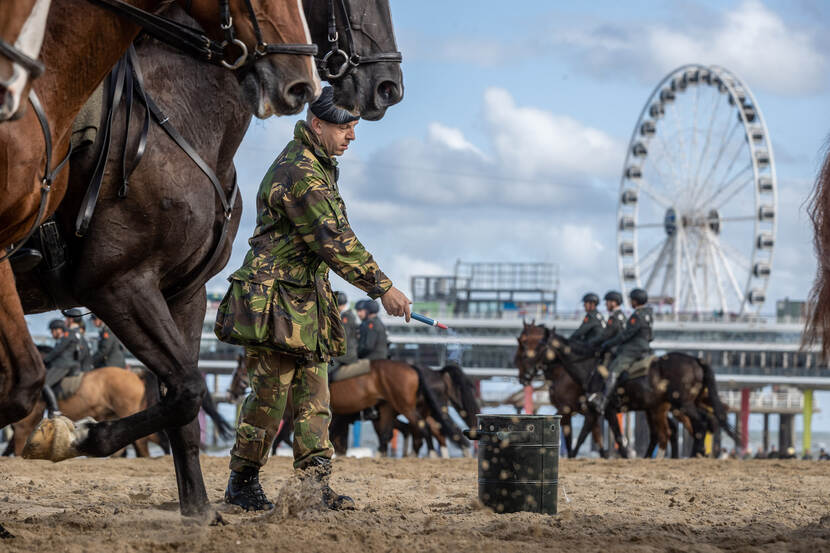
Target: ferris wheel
697,208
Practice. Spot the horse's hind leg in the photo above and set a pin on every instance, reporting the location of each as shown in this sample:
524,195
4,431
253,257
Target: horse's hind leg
21,367
590,421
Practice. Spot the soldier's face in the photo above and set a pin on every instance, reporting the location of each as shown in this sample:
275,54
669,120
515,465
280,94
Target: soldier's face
57,333
334,138
361,314
611,305
589,306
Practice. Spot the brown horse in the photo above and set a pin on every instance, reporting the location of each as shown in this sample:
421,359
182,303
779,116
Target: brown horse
80,47
22,26
451,387
399,384
104,394
818,313
279,82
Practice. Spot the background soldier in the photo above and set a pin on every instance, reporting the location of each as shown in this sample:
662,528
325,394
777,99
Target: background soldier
632,343
301,231
62,361
360,309
592,325
110,351
76,327
613,326
347,317
373,342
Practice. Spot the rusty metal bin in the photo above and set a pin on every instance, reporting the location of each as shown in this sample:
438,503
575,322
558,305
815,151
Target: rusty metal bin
518,462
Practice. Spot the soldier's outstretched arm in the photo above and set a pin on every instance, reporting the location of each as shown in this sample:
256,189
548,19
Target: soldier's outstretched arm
60,347
326,231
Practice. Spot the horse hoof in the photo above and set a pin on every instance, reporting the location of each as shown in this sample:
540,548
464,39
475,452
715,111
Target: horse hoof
55,439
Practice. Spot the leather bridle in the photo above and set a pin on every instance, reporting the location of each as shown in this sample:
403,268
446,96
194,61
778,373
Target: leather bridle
351,59
31,65
194,42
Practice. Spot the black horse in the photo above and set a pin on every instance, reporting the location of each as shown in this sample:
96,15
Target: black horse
146,258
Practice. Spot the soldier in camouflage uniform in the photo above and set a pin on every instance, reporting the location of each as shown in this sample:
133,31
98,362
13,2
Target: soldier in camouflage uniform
110,351
632,343
281,307
593,324
347,317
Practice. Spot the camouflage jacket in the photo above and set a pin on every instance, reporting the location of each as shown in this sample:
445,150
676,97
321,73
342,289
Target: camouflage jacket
281,297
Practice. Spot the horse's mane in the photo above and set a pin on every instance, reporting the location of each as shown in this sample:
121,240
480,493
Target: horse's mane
818,306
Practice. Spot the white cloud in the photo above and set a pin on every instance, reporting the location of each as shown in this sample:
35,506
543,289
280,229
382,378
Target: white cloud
750,39
451,138
535,142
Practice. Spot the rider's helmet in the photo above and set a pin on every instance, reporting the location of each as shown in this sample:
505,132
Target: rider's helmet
360,305
372,306
590,296
342,299
613,295
639,295
57,324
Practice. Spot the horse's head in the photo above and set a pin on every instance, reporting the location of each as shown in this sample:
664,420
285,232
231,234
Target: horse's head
531,351
268,43
361,59
22,26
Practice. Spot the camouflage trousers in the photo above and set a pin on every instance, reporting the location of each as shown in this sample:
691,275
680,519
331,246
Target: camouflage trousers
272,375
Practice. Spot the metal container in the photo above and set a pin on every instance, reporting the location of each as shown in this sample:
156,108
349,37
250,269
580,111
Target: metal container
518,462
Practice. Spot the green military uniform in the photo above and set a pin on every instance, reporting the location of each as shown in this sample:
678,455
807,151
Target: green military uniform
633,342
373,340
350,327
110,350
592,327
280,304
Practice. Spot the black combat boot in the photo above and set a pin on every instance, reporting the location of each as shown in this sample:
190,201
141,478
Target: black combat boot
245,490
319,469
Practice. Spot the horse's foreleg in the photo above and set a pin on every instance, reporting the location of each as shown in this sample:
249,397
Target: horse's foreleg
166,340
567,434
614,424
21,367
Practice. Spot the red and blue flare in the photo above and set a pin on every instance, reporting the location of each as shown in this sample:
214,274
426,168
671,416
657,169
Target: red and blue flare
427,320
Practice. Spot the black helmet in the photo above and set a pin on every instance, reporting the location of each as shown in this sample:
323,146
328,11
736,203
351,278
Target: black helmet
57,323
360,305
342,299
372,306
590,296
613,295
639,295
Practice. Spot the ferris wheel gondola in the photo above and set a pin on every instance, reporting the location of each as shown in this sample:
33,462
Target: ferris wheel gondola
698,196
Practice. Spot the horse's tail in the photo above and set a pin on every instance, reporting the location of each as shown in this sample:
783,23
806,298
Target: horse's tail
466,391
222,425
449,428
818,306
714,400
152,396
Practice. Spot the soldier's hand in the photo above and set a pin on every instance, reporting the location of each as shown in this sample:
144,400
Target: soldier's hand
396,303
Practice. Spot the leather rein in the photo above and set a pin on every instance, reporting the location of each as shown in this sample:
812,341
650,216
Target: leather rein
32,66
194,42
351,59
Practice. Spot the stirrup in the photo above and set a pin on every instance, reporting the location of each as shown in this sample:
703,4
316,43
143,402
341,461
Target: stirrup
25,259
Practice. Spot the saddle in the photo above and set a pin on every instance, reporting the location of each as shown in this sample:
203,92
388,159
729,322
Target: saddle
363,366
640,367
69,386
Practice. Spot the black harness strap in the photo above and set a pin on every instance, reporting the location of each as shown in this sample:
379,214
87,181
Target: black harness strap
48,175
33,66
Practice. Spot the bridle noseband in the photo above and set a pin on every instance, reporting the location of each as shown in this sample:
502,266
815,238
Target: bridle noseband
351,59
196,43
31,65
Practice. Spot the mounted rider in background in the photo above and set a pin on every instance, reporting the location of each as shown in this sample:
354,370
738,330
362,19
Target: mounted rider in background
373,340
64,359
593,325
350,327
613,326
632,343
